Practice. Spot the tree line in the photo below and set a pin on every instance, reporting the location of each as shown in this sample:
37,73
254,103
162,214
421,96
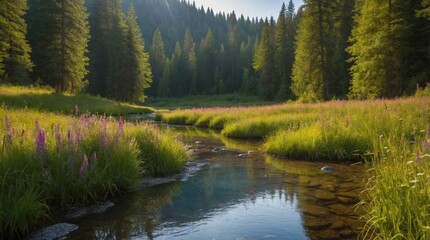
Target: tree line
326,49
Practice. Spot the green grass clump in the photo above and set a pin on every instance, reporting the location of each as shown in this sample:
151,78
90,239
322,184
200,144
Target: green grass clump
398,195
161,153
49,160
260,127
329,143
47,100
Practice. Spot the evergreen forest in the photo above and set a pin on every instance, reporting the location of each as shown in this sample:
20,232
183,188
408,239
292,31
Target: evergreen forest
130,49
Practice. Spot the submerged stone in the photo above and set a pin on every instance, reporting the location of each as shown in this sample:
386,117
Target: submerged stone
324,195
93,209
53,232
329,234
315,210
157,181
316,224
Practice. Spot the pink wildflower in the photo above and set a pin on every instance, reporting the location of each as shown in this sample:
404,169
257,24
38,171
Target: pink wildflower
8,131
40,142
121,125
426,146
419,160
84,166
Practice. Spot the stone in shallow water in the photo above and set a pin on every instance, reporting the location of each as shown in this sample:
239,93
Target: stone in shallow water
348,195
157,181
337,224
340,209
93,209
329,234
346,233
316,224
347,200
324,195
315,210
56,231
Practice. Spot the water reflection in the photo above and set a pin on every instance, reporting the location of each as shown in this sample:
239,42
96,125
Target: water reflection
232,197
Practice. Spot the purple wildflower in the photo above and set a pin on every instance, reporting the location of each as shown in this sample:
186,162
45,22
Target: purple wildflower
8,131
104,121
426,146
94,160
58,137
40,142
121,125
419,160
84,166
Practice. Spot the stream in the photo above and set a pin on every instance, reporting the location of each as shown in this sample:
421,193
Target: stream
232,190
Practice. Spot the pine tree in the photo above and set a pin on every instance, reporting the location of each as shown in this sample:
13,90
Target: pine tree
264,63
59,36
177,79
117,83
234,73
206,60
15,60
190,63
157,58
281,54
164,89
380,48
139,68
310,69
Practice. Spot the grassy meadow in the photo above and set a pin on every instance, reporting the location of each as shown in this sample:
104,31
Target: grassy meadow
392,135
45,99
50,161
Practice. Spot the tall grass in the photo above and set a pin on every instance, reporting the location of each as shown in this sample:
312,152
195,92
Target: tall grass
47,100
49,160
398,194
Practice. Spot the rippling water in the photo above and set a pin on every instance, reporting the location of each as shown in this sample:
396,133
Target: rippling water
233,191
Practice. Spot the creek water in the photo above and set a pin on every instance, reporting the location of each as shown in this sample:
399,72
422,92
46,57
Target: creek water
232,190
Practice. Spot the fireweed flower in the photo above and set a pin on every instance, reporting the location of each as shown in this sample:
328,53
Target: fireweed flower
40,142
419,160
84,166
58,137
121,125
426,146
8,131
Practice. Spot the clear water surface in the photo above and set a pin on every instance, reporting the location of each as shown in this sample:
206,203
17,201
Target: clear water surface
232,190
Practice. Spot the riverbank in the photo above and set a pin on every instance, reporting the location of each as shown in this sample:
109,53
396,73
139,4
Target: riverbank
52,161
392,135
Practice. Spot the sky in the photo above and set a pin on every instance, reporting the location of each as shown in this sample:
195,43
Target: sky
251,8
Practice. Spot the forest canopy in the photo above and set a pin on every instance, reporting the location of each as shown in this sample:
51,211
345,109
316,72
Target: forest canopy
130,49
